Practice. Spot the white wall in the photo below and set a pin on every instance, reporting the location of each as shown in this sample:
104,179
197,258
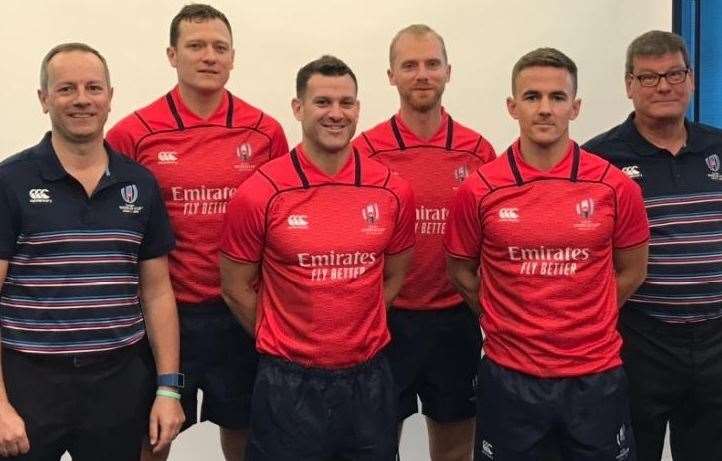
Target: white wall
275,37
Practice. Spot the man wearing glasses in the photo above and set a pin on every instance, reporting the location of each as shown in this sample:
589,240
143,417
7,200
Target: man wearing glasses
672,326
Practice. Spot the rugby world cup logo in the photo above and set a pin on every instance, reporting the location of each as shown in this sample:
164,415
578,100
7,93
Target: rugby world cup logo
460,173
370,213
713,162
244,152
585,208
129,194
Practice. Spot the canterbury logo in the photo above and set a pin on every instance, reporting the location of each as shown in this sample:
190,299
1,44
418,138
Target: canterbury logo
39,194
167,157
632,171
509,214
298,221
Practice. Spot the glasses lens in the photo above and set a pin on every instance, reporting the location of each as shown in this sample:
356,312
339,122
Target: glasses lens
676,76
648,79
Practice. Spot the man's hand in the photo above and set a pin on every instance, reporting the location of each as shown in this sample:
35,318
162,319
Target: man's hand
13,439
166,419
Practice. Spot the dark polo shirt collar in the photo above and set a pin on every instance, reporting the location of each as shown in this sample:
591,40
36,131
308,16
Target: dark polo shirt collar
695,142
52,170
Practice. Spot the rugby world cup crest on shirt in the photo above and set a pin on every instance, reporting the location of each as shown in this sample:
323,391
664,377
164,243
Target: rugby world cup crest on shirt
370,214
460,175
585,209
129,194
713,163
244,152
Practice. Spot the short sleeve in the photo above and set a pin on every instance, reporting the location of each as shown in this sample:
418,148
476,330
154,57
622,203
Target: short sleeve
485,150
631,227
362,145
120,138
279,144
404,236
158,239
463,232
10,224
244,227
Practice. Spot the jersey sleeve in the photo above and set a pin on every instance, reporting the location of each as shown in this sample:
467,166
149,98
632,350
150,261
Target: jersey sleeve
158,239
463,233
361,144
485,150
10,225
404,236
631,227
244,227
122,137
279,144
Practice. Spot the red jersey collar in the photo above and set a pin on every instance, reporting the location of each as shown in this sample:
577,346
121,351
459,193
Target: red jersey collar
443,137
184,117
310,174
568,166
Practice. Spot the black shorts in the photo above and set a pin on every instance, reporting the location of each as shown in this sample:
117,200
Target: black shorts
586,417
95,406
219,358
311,414
675,376
434,355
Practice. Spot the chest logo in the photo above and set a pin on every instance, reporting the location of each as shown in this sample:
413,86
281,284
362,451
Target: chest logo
298,221
129,194
585,210
371,215
167,157
632,171
244,152
713,163
39,196
509,214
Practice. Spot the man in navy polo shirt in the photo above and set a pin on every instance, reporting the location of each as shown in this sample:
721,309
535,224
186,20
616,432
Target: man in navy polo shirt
83,228
672,326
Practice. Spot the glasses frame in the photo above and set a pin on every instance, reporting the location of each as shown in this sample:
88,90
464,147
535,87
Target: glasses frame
659,76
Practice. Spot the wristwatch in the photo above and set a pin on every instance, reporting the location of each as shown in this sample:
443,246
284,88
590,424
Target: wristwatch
176,380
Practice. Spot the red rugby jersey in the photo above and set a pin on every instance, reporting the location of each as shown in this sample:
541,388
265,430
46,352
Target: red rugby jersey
199,165
435,169
321,243
545,242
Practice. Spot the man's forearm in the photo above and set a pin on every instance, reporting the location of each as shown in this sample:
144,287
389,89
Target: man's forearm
627,283
464,275
161,318
242,303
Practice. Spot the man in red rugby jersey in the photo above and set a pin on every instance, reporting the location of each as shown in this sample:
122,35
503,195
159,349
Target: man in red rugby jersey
559,238
436,339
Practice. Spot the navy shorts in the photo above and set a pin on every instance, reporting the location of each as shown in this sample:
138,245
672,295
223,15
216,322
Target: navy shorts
434,355
219,358
95,406
311,414
524,418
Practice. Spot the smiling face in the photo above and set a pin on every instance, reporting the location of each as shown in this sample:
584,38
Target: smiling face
328,111
419,71
202,56
544,103
665,101
77,96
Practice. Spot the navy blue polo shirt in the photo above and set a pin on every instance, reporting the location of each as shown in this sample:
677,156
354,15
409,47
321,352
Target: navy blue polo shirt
72,281
683,197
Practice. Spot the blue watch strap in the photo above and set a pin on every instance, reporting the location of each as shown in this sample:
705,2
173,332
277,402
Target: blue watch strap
171,380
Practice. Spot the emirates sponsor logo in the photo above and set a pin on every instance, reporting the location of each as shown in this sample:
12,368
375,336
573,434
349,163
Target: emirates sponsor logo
167,157
509,214
39,196
202,200
333,266
546,261
298,221
431,221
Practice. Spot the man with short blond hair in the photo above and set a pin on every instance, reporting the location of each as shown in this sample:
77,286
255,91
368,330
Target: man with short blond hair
436,339
672,326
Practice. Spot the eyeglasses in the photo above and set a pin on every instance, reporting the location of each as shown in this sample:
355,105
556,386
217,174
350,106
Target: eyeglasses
673,77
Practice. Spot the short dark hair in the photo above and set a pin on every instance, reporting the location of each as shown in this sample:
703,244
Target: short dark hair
544,57
196,12
327,65
417,30
655,43
67,48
